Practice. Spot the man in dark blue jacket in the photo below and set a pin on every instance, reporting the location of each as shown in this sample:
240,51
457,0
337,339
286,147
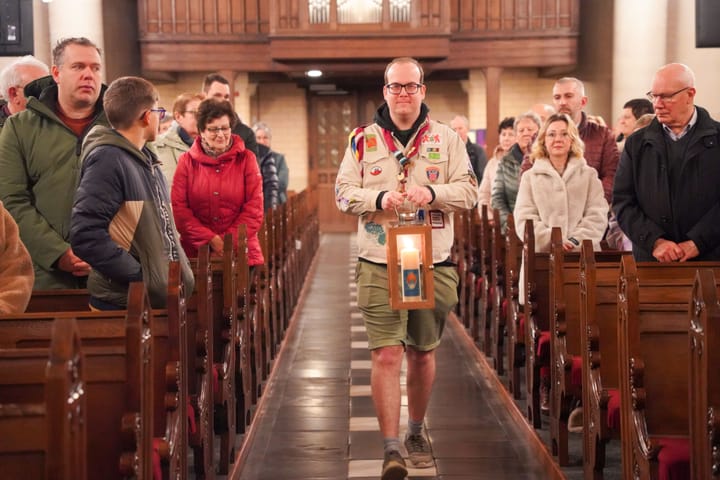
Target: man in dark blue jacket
666,195
122,224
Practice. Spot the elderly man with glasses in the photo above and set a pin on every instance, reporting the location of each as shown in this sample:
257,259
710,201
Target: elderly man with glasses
666,195
403,158
13,79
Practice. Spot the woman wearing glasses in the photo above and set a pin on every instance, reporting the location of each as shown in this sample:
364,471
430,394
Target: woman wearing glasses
217,185
560,189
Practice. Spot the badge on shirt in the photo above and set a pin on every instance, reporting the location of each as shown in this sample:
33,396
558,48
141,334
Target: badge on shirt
433,173
376,170
371,142
427,138
437,218
433,153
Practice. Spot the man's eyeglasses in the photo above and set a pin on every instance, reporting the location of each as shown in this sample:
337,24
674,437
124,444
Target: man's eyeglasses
665,97
216,130
410,88
160,111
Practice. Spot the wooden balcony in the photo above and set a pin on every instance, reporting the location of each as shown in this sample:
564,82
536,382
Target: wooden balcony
289,36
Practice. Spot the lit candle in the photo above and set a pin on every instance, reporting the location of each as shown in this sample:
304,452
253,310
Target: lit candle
410,272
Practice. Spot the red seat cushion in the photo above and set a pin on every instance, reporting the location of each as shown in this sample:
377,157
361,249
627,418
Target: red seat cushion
576,371
216,378
479,287
504,307
545,373
191,417
613,409
674,459
157,468
521,328
543,348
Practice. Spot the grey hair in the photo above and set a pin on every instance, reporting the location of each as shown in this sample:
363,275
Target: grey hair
527,115
10,75
264,127
579,85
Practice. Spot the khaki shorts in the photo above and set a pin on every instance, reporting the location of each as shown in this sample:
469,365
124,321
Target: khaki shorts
385,327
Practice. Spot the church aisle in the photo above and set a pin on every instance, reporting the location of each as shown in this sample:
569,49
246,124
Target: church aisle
317,420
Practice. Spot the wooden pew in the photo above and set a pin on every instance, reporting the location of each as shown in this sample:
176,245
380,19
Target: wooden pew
704,336
278,284
200,348
599,327
514,315
43,407
260,293
566,355
536,294
471,259
119,351
225,324
497,294
64,300
565,342
482,332
654,362
243,348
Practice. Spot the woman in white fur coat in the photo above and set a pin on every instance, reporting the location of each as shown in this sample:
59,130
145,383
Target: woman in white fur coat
560,189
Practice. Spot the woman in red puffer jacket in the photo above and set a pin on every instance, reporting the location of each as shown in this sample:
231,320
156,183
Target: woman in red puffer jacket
217,186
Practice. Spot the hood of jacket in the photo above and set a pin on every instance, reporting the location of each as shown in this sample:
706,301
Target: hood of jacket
237,149
172,139
382,118
101,135
42,96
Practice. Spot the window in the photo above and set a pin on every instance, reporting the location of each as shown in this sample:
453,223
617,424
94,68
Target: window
359,11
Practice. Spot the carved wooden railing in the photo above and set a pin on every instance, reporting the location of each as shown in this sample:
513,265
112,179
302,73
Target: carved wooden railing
264,32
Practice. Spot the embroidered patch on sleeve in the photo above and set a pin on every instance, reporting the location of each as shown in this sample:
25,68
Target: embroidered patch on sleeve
377,231
433,173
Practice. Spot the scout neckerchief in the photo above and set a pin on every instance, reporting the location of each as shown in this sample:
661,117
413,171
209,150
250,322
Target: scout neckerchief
401,156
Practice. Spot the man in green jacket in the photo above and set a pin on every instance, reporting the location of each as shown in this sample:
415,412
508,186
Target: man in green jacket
40,160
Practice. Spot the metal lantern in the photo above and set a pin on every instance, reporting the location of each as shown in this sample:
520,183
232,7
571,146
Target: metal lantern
410,263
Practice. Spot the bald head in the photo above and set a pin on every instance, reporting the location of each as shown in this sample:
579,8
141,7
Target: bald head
673,95
678,72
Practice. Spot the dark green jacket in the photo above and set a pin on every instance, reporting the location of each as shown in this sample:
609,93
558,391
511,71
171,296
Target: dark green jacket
39,168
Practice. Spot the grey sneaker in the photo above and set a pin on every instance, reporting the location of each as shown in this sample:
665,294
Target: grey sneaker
393,466
418,451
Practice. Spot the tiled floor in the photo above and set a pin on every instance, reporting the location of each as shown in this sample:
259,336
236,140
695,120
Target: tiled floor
318,420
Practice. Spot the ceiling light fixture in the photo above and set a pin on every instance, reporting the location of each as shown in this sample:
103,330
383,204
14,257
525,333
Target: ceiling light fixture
314,73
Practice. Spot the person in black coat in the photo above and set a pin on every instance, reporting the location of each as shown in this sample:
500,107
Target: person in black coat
268,169
478,158
666,195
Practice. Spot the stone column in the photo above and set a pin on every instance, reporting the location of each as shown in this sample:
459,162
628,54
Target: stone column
639,49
